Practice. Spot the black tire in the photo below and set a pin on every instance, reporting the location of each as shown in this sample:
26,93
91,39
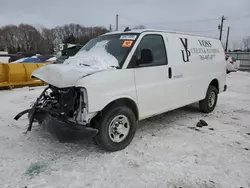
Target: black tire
103,139
205,105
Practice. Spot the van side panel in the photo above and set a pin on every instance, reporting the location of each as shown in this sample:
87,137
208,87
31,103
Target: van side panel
195,62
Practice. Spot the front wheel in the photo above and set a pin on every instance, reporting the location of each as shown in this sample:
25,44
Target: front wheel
117,128
208,104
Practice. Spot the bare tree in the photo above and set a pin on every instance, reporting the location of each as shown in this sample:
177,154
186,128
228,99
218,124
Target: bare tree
77,34
91,32
235,45
10,37
31,38
2,45
28,38
246,43
49,37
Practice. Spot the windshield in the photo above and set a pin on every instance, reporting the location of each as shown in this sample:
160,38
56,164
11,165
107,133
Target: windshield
107,51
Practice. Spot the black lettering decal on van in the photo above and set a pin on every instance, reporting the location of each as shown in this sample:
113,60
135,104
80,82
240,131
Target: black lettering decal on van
205,43
200,43
185,53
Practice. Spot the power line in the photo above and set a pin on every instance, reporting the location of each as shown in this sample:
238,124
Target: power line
183,21
204,31
129,19
171,22
240,17
166,24
180,21
173,29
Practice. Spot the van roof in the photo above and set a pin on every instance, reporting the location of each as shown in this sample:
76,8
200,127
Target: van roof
139,31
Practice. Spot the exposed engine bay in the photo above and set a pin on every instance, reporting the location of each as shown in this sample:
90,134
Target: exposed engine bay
60,108
62,102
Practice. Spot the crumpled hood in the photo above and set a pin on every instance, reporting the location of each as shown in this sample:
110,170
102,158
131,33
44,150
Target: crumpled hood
74,68
63,75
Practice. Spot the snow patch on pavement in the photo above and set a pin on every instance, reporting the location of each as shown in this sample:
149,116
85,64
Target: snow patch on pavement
166,150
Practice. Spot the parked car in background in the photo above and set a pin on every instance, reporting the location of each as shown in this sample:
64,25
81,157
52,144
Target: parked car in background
44,58
20,55
51,59
4,57
71,51
232,64
32,59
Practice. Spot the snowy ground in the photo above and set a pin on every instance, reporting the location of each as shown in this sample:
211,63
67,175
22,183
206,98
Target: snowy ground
166,151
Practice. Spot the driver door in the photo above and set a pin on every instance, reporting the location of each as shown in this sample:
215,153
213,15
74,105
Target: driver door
151,75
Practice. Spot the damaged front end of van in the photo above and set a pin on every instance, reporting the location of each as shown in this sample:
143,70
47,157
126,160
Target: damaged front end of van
60,112
63,107
60,109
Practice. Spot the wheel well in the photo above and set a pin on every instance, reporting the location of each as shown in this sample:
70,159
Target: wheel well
124,101
215,83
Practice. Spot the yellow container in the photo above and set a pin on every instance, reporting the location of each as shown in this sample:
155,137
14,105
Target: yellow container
19,74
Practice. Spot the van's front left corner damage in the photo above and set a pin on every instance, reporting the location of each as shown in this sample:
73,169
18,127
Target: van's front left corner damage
59,111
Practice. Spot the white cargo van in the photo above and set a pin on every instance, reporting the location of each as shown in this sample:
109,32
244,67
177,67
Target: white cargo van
119,78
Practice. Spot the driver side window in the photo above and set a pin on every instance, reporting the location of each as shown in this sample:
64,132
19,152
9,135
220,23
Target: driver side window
150,52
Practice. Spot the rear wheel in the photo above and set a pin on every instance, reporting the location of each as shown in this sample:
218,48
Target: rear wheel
208,104
117,128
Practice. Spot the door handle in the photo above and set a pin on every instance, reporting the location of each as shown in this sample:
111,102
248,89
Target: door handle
169,72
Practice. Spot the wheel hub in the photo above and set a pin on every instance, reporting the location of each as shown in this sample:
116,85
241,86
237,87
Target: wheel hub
119,128
211,100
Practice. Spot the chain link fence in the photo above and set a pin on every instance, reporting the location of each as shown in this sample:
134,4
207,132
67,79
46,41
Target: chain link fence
243,57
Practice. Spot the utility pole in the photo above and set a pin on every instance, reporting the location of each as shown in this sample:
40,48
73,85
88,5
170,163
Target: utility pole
221,25
117,22
228,30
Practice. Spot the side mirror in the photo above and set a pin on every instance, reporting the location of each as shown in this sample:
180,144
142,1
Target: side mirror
146,56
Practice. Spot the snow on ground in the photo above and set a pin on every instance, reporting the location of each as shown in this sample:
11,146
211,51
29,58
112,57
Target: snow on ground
166,151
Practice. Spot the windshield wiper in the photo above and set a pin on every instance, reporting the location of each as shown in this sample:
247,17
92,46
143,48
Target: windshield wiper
117,67
85,64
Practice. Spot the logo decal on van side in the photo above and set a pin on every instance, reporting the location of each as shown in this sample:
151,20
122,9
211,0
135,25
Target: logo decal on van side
185,53
205,43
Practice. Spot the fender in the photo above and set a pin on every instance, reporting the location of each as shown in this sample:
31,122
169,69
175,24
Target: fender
104,87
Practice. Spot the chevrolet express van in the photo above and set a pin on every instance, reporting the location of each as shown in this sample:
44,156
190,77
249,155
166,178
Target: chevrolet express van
120,78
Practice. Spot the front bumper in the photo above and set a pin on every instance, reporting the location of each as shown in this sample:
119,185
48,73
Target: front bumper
58,126
62,129
67,131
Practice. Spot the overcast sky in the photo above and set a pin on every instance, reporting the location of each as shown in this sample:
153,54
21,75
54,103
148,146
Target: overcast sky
201,16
